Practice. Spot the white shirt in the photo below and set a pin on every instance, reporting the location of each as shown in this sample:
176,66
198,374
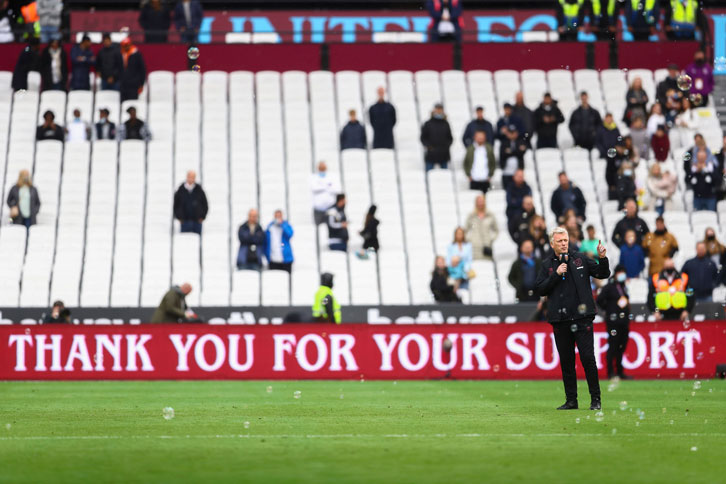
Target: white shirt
324,190
276,243
480,166
77,131
510,166
653,122
55,65
189,187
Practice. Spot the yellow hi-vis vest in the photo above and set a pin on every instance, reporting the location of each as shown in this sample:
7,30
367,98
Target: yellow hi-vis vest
319,309
571,11
671,295
597,7
684,12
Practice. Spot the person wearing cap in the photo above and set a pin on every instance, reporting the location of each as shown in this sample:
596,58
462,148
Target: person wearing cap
50,130
508,119
326,309
437,139
54,67
82,59
109,64
584,122
670,83
669,296
546,119
511,154
133,74
104,128
133,128
478,124
615,302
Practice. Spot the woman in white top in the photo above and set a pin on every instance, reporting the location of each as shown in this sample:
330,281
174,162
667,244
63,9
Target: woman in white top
458,259
684,126
655,119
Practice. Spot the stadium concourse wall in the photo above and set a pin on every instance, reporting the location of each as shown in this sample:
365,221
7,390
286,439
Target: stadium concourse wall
667,350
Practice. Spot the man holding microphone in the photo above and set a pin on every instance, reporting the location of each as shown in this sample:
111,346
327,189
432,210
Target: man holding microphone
565,280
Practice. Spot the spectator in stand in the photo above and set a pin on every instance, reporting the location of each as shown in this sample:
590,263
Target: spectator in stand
481,230
458,260
720,158
188,17
521,111
625,185
546,118
523,273
516,193
54,67
661,187
446,20
511,154
701,73
252,241
702,274
684,125
584,123
353,134
440,285
655,119
570,18
478,124
382,116
369,233
324,190
589,244
659,245
673,107
436,139
78,129
714,248
105,129
190,204
479,163
705,181
636,99
608,135
109,64
632,255
642,19
28,60
631,221
173,307
133,74
338,225
134,128
507,120
49,18
668,294
23,201
519,223
682,19
50,130
691,155
82,59
604,19
278,250
660,143
640,138
614,300
567,196
58,314
668,84
537,233
155,19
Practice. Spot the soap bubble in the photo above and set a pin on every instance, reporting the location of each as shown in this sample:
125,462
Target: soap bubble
621,315
496,368
684,82
687,156
699,355
671,422
269,389
582,309
193,53
613,332
697,385
696,99
686,324
196,68
712,349
168,413
297,394
682,375
573,328
577,420
637,424
599,416
8,426
694,448
623,405
246,425
612,153
615,431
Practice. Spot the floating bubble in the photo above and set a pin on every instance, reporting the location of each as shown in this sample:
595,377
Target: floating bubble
573,328
599,416
496,368
689,292
637,424
712,349
246,425
196,68
697,385
623,405
615,431
686,324
613,317
341,396
684,82
696,99
297,394
621,315
694,448
664,410
167,413
612,153
613,332
193,53
582,308
671,422
530,293
269,389
577,420
699,355
682,375
693,394
687,156
7,426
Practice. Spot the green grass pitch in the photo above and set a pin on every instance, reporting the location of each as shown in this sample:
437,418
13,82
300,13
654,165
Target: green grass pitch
350,431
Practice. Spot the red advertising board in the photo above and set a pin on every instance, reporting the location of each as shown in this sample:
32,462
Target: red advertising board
191,352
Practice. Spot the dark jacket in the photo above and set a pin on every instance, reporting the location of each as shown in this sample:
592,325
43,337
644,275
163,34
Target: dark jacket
353,135
478,125
583,126
155,23
436,138
546,120
14,199
28,60
515,196
469,160
565,298
440,287
195,8
663,87
109,63
134,129
558,203
436,8
45,69
606,139
172,308
335,218
370,234
704,184
636,224
525,292
624,189
382,116
251,245
519,225
56,133
516,148
81,63
133,75
609,299
111,130
702,276
505,121
528,121
190,205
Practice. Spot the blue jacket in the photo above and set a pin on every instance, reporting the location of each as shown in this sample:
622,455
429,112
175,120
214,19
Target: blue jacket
81,63
353,135
196,12
633,258
287,234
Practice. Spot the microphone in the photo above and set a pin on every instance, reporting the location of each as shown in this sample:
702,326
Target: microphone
563,260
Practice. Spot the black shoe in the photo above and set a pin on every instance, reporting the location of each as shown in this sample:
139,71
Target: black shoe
625,377
568,405
595,404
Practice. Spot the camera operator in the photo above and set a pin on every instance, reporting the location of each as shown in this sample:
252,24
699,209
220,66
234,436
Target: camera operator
58,314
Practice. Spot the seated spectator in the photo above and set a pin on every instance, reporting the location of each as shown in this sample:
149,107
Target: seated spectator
516,193
631,221
546,119
337,225
478,124
82,59
661,187
133,74
589,244
668,294
105,129
714,248
324,188
54,67
684,125
705,183
511,154
479,163
660,143
441,287
134,128
188,17
382,116
702,274
608,136
655,119
507,120
523,273
481,230
537,233
625,185
519,224
190,204
701,73
58,314
641,140
23,201
584,123
155,19
521,111
252,241
566,196
446,20
353,134
78,130
636,99
670,83
632,256
659,245
28,60
458,260
173,307
109,64
369,233
278,250
49,130
436,139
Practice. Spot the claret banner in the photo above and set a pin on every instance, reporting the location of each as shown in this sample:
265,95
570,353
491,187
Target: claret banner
354,351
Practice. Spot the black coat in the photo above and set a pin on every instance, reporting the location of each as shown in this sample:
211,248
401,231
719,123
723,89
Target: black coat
515,198
516,279
527,117
608,302
29,60
155,23
519,226
606,139
557,204
133,76
57,133
190,205
109,63
14,200
704,184
353,135
565,298
635,224
46,69
440,287
516,148
436,138
382,116
543,125
478,125
624,189
583,126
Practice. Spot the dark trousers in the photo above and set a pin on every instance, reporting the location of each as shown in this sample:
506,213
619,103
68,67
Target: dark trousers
546,141
506,181
479,185
280,266
617,342
191,226
565,339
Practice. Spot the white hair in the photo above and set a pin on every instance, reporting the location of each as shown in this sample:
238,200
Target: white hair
557,230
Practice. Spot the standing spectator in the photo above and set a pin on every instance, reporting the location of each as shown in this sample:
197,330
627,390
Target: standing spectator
511,154
642,19
190,204
714,248
632,256
546,118
278,250
584,123
436,139
155,19
604,18
691,156
173,307
49,17
567,196
458,260
631,221
23,201
105,129
252,241
58,314
481,230
702,274
133,74
54,67
478,124
82,59
625,185
134,128
668,84
523,273
446,20
109,64
704,182
684,125
507,120
324,189
570,18
519,223
589,244
668,294
521,111
188,17
682,18
608,136
672,107
326,308
517,191
660,143
659,245
49,130
7,21
78,129
479,163
701,73
636,99
353,134
640,138
614,300
661,187
338,225
441,288
382,116
369,233
655,119
28,60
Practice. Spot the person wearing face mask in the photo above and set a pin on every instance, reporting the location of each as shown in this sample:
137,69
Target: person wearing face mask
625,185
614,300
659,246
714,248
701,73
669,296
547,117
